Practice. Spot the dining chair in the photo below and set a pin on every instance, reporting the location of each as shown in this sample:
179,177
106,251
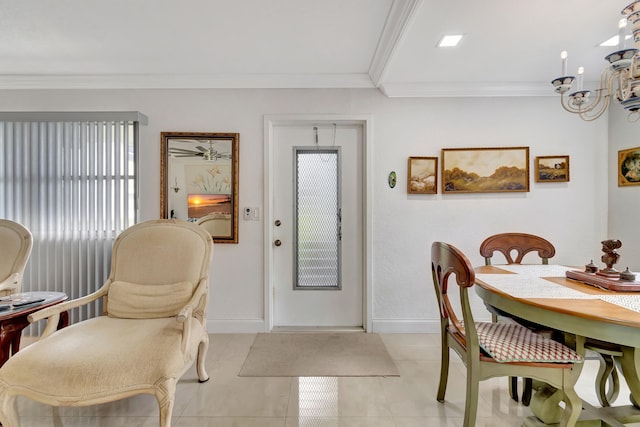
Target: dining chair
153,328
490,349
514,247
16,242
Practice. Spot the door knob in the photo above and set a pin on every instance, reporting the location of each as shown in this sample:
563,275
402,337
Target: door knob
277,243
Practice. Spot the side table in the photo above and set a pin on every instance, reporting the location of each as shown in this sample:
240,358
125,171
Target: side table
13,317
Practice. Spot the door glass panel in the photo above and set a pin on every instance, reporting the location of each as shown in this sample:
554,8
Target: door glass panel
317,221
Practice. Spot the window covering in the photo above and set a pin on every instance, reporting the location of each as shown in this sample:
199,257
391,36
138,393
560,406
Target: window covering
71,179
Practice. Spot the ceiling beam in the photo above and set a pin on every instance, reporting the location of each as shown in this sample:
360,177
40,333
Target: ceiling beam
399,20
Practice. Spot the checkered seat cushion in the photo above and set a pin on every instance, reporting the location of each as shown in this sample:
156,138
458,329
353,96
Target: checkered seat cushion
507,342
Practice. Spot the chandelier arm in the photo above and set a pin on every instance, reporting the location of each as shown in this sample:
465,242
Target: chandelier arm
565,104
588,118
606,84
601,102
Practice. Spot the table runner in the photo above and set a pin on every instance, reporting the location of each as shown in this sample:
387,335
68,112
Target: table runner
529,286
630,302
537,270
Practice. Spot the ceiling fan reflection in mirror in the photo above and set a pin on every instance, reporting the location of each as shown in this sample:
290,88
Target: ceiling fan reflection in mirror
208,153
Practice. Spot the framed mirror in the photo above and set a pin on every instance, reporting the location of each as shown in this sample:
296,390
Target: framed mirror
199,181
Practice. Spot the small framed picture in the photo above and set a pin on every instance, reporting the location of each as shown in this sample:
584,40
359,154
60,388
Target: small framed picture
423,175
552,169
629,167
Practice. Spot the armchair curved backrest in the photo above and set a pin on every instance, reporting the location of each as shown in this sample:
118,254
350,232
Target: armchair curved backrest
16,242
216,224
153,330
521,243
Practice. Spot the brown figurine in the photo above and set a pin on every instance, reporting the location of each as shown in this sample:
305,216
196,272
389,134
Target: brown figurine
610,257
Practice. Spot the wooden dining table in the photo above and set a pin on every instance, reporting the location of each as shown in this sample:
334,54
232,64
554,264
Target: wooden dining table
544,295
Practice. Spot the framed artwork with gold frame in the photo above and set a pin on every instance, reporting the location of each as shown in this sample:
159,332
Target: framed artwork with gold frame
629,167
199,181
485,170
422,175
552,168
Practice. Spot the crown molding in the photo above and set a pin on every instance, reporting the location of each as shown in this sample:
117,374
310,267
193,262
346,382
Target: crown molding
399,20
186,81
465,89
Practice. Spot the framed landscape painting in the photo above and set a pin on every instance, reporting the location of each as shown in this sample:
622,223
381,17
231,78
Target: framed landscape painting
422,175
552,169
485,170
629,167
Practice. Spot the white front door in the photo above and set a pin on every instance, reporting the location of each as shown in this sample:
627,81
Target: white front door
318,228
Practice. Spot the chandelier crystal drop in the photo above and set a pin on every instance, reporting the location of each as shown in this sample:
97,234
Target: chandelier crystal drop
621,78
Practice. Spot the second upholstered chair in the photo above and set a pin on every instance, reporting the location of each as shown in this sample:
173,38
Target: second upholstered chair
491,349
16,242
153,328
216,224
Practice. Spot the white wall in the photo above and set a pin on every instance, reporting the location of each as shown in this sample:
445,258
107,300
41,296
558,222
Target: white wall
572,215
624,202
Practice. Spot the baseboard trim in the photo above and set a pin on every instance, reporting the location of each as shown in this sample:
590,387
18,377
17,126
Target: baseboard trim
406,326
390,326
235,326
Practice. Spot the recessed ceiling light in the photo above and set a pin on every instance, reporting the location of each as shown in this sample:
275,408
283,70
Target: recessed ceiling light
450,40
613,41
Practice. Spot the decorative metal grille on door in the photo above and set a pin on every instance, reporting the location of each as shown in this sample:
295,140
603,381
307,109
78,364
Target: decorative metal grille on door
317,221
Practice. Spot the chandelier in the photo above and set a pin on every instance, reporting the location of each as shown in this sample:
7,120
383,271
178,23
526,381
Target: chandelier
621,78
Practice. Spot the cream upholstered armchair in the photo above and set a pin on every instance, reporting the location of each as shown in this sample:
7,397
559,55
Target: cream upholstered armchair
15,248
152,330
216,224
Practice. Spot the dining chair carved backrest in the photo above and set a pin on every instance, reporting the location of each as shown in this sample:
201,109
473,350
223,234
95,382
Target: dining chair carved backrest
520,243
153,328
494,349
16,242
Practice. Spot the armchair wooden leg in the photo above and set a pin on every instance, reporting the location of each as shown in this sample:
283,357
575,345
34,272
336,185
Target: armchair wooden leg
8,411
200,362
165,395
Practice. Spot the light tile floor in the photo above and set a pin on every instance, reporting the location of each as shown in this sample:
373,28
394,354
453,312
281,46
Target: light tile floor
228,400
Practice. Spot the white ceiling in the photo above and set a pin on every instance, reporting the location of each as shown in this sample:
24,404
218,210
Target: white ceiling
509,48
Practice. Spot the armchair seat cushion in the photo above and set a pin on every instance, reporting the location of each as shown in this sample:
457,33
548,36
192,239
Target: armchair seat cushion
133,355
510,342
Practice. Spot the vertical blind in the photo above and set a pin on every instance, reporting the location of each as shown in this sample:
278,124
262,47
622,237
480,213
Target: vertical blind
73,184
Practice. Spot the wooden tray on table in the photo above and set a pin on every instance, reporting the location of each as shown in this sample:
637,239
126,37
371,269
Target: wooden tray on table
607,283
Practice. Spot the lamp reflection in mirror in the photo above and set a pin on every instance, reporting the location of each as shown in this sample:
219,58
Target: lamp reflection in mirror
621,77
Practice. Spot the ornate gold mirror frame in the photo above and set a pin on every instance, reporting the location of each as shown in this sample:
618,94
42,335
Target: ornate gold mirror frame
199,181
